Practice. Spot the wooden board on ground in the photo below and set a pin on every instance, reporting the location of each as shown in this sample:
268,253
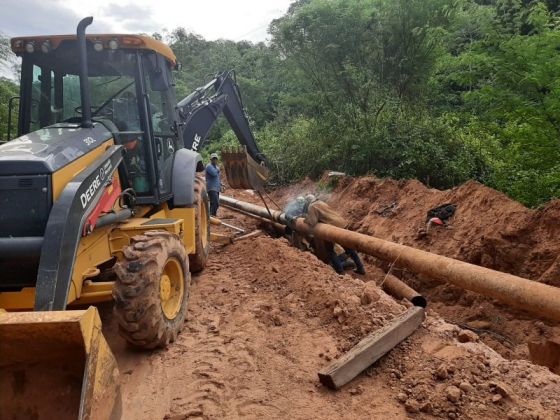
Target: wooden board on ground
371,349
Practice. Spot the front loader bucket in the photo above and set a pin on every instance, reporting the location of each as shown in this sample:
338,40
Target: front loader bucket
242,171
56,365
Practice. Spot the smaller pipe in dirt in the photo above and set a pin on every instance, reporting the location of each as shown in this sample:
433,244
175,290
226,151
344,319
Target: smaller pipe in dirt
400,290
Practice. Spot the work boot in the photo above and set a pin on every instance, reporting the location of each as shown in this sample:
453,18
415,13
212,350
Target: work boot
338,268
348,264
360,270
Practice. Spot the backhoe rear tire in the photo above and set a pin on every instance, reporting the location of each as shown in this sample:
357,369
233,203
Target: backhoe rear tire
152,289
198,260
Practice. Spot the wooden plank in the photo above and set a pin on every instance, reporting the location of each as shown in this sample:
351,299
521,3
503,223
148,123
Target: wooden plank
371,349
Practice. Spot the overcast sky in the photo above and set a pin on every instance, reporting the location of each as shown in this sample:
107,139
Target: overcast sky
213,19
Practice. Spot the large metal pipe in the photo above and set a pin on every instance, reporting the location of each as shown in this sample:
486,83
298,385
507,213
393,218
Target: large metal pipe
538,298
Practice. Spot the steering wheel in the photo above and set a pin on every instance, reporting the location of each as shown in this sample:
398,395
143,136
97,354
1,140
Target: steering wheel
94,110
78,110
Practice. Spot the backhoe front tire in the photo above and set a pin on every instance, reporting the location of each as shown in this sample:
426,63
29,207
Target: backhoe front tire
198,260
152,289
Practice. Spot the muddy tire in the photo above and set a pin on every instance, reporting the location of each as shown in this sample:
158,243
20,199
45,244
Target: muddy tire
197,261
152,289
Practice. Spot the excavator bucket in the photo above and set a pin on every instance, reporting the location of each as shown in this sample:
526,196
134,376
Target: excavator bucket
242,171
56,365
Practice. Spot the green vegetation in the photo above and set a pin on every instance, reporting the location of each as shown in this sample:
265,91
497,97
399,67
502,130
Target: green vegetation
438,90
8,89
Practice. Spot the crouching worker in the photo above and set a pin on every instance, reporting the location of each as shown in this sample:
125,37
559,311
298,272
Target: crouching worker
317,211
293,210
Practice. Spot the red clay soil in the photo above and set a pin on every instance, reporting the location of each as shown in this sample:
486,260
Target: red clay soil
264,318
488,229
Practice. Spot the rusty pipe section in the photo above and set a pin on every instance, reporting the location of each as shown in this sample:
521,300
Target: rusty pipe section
273,215
534,297
397,288
277,220
277,226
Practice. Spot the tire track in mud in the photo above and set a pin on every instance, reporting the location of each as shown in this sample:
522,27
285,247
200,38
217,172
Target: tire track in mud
249,349
219,363
201,374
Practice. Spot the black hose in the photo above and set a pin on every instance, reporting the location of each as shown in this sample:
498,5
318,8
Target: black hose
111,218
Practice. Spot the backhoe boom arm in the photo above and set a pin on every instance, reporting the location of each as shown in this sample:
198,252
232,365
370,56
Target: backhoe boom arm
200,110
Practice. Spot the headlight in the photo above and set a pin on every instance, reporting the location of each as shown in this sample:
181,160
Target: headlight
98,46
30,48
113,44
46,47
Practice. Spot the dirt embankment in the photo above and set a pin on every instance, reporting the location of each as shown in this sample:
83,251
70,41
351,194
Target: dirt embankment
265,317
488,229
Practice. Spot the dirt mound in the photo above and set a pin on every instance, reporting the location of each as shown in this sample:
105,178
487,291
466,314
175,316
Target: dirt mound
264,318
478,381
487,229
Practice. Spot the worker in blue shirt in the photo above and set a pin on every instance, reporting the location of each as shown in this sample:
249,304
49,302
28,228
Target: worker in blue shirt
213,183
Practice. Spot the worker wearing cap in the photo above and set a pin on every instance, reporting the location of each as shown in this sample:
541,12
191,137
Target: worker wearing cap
317,211
213,183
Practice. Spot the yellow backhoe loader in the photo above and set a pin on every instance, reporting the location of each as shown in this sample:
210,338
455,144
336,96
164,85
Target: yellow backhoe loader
101,198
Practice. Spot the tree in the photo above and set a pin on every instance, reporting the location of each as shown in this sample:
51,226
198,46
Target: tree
8,89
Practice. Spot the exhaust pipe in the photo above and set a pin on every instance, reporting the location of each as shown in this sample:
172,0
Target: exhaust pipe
84,82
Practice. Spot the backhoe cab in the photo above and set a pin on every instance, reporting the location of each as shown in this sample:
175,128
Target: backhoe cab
102,198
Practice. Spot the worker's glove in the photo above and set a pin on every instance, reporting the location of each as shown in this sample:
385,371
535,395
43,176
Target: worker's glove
222,188
290,219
